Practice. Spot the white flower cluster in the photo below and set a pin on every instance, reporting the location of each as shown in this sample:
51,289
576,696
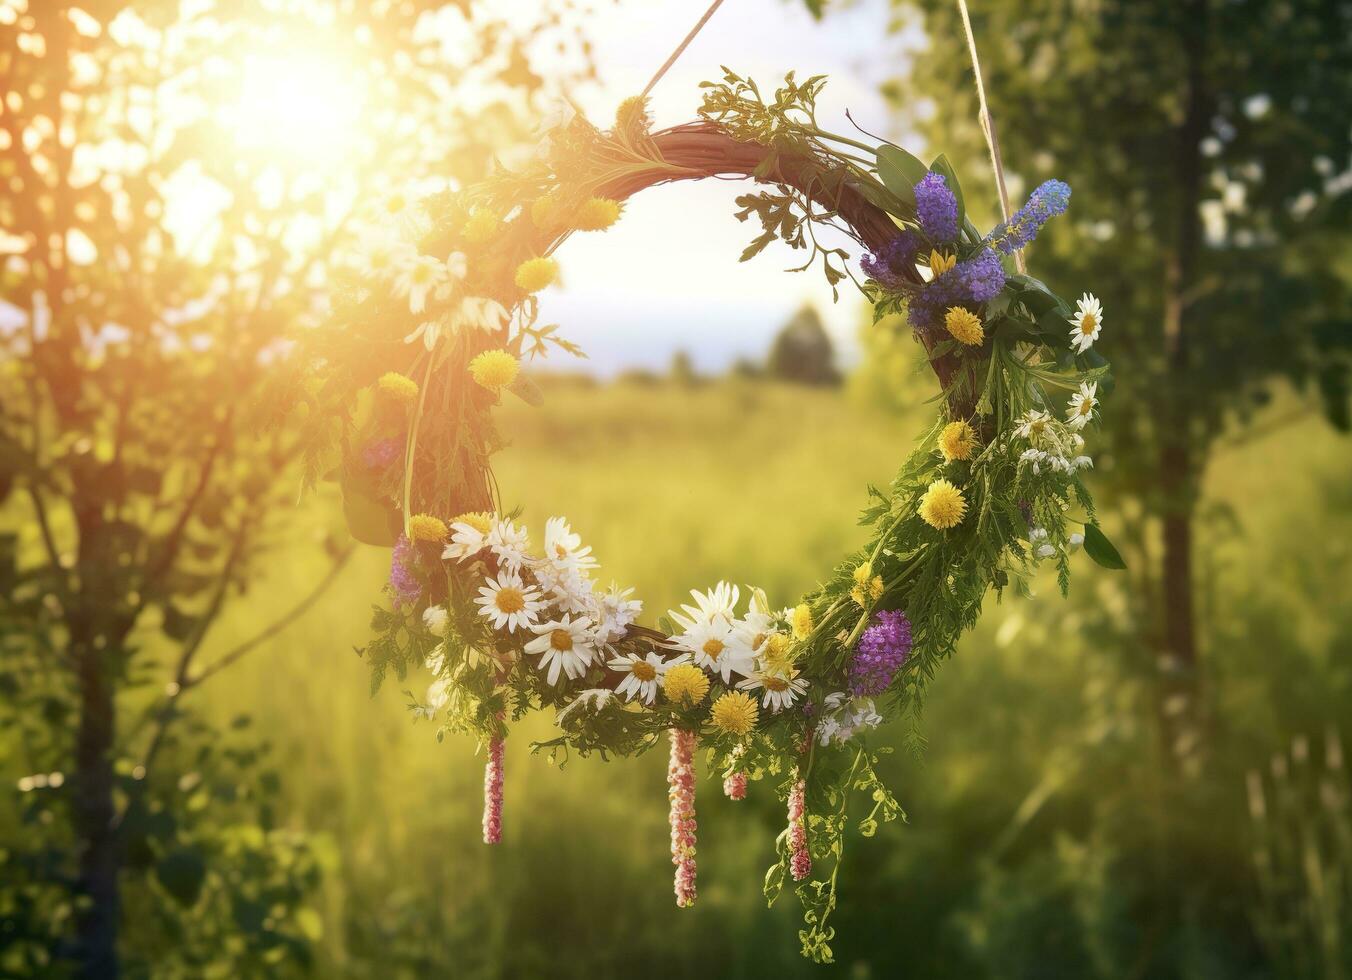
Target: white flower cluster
844,716
433,287
1041,547
1053,444
751,648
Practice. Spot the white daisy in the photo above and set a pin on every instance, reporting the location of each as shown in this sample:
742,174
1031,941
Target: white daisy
563,548
386,257
1086,323
456,270
566,645
466,541
615,612
752,630
1032,425
715,605
436,619
479,313
509,544
642,675
509,603
781,690
421,276
1082,404
715,648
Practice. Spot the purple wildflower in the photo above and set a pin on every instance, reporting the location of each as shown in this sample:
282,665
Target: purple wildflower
380,454
403,579
881,652
890,264
936,207
1049,200
970,282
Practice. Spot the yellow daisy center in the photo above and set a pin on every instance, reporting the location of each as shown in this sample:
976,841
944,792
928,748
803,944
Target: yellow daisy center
422,273
776,684
1086,406
1087,323
561,640
510,600
712,648
643,670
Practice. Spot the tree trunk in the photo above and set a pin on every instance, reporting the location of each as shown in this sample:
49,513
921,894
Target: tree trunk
100,860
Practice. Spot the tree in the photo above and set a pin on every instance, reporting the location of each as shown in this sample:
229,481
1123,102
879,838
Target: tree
1204,145
802,351
1207,146
177,186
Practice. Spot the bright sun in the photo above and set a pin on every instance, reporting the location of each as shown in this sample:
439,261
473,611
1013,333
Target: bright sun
305,107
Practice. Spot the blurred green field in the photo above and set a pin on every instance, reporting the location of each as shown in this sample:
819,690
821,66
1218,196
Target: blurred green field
676,487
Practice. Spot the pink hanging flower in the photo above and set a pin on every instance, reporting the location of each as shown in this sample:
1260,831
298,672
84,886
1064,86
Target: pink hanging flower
734,786
800,864
493,792
681,791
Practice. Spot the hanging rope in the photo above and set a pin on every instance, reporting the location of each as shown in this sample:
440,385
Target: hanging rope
699,25
988,126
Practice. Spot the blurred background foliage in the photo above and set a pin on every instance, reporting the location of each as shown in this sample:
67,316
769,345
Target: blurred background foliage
1145,780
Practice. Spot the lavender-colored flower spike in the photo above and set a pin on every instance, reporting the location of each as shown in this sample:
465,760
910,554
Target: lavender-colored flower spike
381,453
884,266
936,208
971,282
1049,200
403,580
881,652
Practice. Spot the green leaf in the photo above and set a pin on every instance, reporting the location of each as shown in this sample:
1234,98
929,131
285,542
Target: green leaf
369,520
942,166
525,388
900,172
1098,547
181,872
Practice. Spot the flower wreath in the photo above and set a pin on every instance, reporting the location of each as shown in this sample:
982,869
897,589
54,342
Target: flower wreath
431,326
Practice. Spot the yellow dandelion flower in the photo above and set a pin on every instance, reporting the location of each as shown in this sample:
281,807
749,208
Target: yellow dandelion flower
597,214
875,588
941,263
862,573
544,211
481,226
398,387
860,596
534,275
634,108
685,684
957,440
964,325
480,520
425,527
942,505
801,621
494,369
734,713
778,658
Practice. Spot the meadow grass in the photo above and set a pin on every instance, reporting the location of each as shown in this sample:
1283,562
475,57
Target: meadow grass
675,488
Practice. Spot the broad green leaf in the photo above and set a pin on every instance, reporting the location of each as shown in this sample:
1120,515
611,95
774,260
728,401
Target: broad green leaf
900,172
525,388
369,520
1098,547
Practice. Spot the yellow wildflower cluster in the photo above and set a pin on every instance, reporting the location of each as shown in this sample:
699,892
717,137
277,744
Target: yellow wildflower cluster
597,214
398,387
964,325
942,506
494,369
481,226
534,275
685,684
734,713
480,520
867,586
941,263
957,440
801,621
425,527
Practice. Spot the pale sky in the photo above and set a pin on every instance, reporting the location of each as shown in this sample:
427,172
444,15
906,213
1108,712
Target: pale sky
667,276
